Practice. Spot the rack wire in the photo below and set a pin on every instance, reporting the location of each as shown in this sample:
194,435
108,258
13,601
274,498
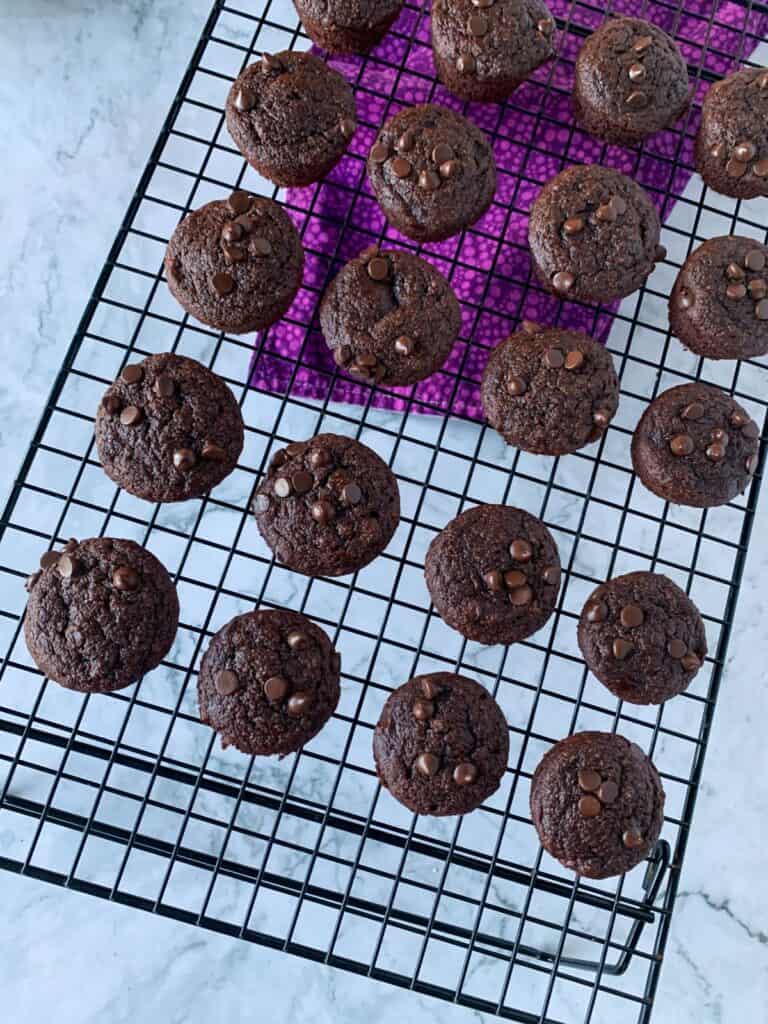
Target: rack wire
127,796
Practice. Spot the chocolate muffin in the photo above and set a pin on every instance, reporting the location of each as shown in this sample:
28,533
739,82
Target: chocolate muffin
594,234
327,506
441,744
719,304
695,445
390,318
643,637
483,51
597,804
732,142
347,26
292,117
432,171
101,614
235,264
168,429
631,81
549,390
268,682
493,574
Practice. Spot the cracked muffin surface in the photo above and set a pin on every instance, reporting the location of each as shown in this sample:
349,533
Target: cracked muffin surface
441,744
327,506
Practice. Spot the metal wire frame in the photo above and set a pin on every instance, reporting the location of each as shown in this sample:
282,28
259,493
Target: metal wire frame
311,858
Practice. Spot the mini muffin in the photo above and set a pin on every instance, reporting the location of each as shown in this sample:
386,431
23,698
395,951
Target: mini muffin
292,117
695,445
483,51
550,391
719,304
168,429
390,318
493,574
631,81
432,172
643,637
327,506
235,264
269,681
597,804
732,142
594,234
441,744
347,26
101,614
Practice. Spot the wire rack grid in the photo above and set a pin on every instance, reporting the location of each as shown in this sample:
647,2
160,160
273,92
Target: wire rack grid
128,797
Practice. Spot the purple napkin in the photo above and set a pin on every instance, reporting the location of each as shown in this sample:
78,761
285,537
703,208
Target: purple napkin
534,138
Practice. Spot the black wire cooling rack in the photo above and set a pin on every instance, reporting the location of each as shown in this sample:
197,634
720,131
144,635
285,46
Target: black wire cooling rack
127,796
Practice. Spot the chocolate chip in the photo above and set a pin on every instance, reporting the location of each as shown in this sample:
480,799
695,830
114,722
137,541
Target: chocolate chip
632,839
637,100
442,153
247,223
632,616
755,260
261,246
563,281
429,181
622,648
240,202
223,283
690,662
299,703
552,575
516,385
430,688
245,99
276,688
734,272
319,458
676,648
554,358
271,63
751,464
574,359
302,482
718,150
449,169
636,72
227,683
681,444
296,640
164,386
715,452
608,791
234,253
342,355
530,327
521,550
589,807
406,142
112,405
760,169
642,44
514,578
184,459
49,559
282,487
132,374
401,167
573,225
757,288
466,64
494,580
589,780
427,764
601,418
596,611
761,309
619,205
521,596
378,268
735,168
261,503
693,411
745,151
736,291
661,253
68,566
606,213
751,430
545,26
126,578
323,512
464,774
131,416
423,710
347,127
685,298
379,153
718,434
404,346
477,25
351,494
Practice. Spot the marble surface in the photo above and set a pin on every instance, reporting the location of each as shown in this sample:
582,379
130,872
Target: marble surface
84,88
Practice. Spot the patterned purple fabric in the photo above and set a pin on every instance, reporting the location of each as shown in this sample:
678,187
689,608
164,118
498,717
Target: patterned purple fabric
534,137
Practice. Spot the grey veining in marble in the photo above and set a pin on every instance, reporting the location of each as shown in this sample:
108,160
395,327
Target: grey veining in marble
83,91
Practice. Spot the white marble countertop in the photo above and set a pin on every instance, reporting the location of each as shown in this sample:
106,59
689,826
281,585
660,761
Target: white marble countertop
84,88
